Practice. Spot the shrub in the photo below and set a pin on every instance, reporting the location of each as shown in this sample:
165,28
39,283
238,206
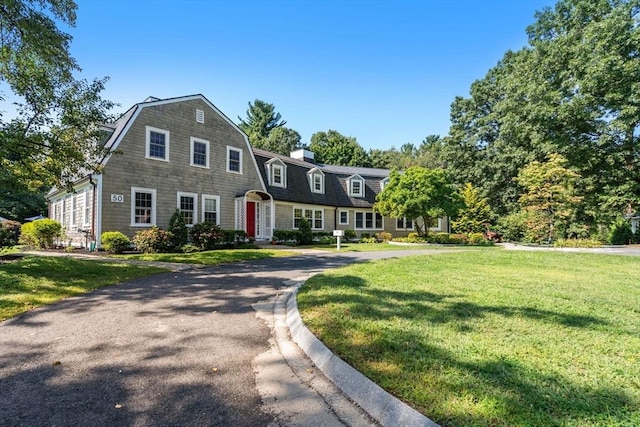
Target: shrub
178,228
350,234
577,243
460,238
512,227
620,232
284,236
189,248
40,233
368,240
476,239
635,239
115,242
206,235
306,235
384,236
8,237
233,237
327,240
153,240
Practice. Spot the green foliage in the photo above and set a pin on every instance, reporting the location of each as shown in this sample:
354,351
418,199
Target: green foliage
571,92
369,240
418,193
115,242
189,248
512,227
620,232
178,228
56,133
577,243
475,215
384,236
261,120
233,238
350,234
549,197
207,235
153,240
286,236
281,140
333,148
8,237
41,233
306,234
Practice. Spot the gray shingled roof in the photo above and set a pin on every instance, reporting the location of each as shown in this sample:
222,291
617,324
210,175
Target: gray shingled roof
335,189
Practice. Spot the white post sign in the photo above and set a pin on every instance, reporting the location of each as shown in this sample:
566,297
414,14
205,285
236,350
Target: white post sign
338,234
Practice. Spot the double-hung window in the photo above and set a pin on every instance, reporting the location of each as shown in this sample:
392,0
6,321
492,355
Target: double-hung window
368,221
143,207
234,160
316,180
210,209
314,216
343,217
404,224
86,220
199,153
157,146
277,175
187,204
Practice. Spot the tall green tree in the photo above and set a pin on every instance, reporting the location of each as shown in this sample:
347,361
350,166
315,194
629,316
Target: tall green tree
333,148
573,90
475,214
550,197
55,134
421,194
261,119
282,140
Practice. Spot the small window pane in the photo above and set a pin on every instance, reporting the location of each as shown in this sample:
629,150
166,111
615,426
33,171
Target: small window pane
157,144
187,208
199,153
359,220
234,160
344,217
317,220
143,205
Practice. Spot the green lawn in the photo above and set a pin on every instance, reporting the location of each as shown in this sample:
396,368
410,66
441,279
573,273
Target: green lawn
372,247
491,337
215,257
36,281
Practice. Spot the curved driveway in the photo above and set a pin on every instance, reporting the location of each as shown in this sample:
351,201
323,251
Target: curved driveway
170,349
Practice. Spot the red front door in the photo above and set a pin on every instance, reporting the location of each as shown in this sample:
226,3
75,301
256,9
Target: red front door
251,219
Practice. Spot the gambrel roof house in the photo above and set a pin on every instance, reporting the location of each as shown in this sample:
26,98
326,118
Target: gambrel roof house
183,153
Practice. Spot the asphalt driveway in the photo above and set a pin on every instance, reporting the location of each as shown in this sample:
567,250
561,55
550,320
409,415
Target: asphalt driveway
171,349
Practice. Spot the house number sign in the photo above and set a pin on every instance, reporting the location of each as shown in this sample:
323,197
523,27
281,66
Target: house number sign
117,198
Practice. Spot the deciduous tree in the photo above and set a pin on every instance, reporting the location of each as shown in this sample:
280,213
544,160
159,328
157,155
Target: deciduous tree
421,194
333,148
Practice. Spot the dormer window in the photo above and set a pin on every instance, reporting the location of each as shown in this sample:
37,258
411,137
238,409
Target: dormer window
356,186
316,180
277,172
384,183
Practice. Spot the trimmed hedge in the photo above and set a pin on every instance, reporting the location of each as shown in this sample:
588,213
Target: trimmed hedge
115,242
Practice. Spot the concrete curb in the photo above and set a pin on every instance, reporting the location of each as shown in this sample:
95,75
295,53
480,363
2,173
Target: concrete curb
380,405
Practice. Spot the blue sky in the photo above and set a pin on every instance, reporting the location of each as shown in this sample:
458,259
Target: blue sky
384,72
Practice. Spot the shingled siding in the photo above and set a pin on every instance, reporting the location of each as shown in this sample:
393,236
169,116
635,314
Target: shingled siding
131,168
284,216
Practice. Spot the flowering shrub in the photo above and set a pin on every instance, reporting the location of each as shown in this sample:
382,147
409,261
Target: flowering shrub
153,240
207,235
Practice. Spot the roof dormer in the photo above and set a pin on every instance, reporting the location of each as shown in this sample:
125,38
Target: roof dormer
277,172
316,180
355,185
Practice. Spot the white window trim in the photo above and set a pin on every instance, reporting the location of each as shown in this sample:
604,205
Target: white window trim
364,221
404,223
283,175
312,220
204,197
86,210
340,217
153,192
195,204
313,173
362,190
74,211
201,141
229,149
383,183
167,140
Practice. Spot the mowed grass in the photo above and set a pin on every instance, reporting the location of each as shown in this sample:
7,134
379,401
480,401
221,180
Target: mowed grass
375,247
493,337
215,257
35,281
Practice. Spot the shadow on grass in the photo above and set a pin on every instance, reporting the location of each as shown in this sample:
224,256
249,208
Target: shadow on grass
400,360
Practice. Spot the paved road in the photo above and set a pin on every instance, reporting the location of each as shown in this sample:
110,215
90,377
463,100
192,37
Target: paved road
178,348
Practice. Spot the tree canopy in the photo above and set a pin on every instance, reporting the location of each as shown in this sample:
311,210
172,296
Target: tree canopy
573,91
420,194
333,148
55,134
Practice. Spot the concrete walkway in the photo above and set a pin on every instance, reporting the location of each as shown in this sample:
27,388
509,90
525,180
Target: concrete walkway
195,346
